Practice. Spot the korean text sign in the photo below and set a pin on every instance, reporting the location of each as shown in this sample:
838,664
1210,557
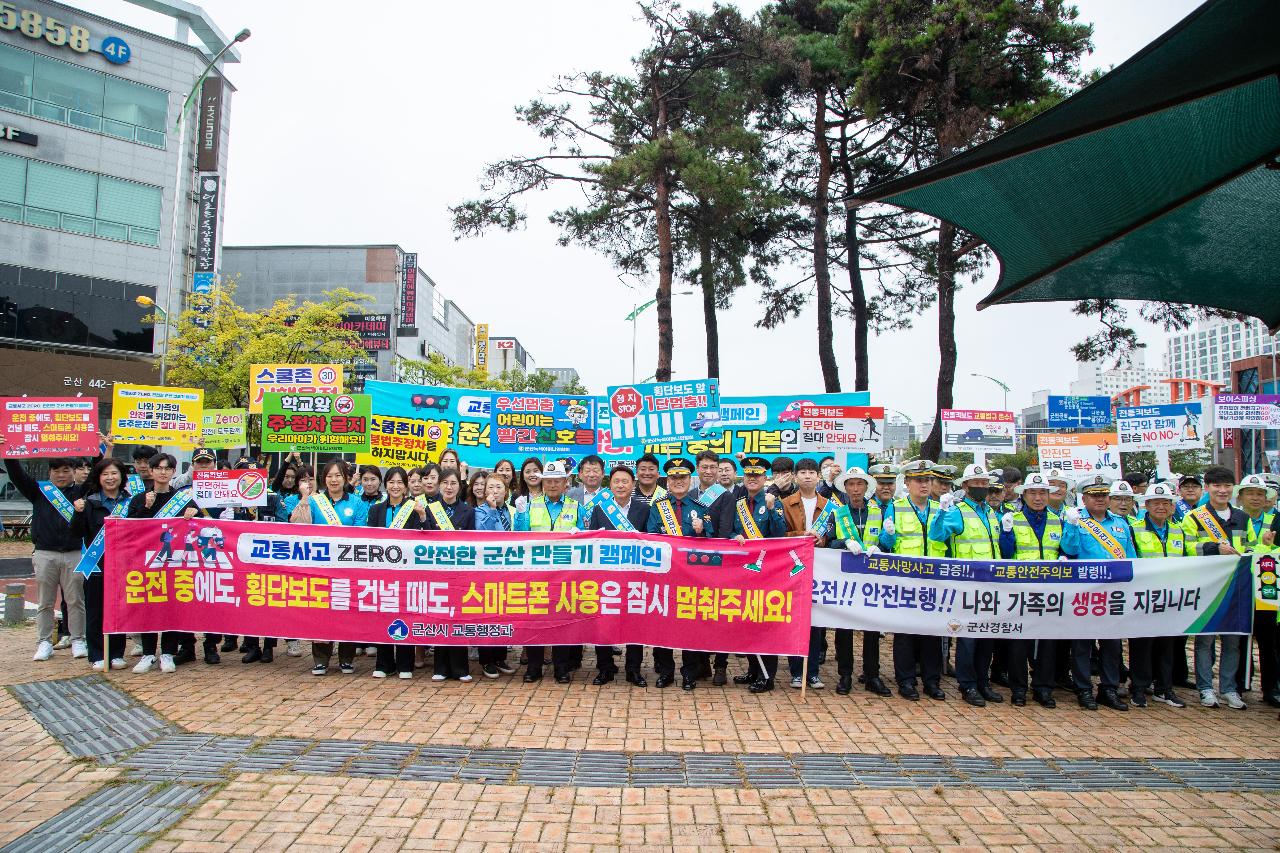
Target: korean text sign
299,378
1172,427
224,428
337,423
1080,453
370,585
542,423
662,411
974,430
1032,600
856,429
49,426
1247,411
1079,412
150,414
243,487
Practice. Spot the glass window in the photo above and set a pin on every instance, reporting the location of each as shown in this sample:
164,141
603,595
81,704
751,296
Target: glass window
68,86
34,310
13,178
15,70
140,105
128,203
61,189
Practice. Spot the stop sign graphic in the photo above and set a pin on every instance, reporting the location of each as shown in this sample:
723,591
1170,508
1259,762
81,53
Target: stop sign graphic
625,402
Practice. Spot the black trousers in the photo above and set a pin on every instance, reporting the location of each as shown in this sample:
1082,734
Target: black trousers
251,643
451,661
1110,652
973,662
322,652
691,663
394,658
93,622
1000,657
562,659
770,670
1267,678
1181,672
1151,663
168,643
912,649
870,653
491,654
633,659
1041,654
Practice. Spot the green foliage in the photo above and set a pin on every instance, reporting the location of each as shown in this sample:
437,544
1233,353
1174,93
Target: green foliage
217,358
436,371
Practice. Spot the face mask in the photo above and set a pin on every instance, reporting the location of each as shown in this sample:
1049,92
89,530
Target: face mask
978,493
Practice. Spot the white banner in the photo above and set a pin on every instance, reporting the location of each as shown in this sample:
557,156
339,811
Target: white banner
1247,411
1080,453
1060,600
854,429
1168,427
243,487
975,431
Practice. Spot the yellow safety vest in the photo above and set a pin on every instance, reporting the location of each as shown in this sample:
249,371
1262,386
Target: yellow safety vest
540,519
912,537
1176,543
1028,547
977,541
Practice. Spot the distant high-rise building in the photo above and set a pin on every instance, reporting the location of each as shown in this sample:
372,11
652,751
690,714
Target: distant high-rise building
1097,378
565,376
1206,350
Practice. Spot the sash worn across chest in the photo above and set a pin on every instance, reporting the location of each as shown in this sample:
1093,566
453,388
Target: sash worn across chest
327,510
1209,521
58,500
401,518
616,516
438,513
88,564
175,504
667,514
1103,537
749,527
820,520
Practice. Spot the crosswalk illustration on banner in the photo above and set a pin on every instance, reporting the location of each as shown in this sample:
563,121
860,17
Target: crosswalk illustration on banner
657,425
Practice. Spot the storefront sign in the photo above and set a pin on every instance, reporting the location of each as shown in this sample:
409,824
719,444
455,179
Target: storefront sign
409,290
482,348
374,329
292,378
12,134
209,135
49,426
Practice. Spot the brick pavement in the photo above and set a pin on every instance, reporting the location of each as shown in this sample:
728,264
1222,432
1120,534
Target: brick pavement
298,811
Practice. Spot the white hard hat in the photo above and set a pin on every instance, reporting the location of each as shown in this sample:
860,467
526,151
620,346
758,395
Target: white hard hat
854,473
1119,489
554,470
1037,480
974,472
1160,491
1253,481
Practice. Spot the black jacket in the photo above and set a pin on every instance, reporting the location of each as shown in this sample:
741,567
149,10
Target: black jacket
378,517
138,505
86,524
637,514
49,530
460,514
722,510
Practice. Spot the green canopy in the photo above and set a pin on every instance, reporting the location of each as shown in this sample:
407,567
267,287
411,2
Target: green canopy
1157,182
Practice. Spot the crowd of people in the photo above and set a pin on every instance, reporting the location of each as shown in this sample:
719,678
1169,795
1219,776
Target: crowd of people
919,509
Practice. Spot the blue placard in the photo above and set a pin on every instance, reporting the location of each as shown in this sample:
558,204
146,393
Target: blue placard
1079,412
116,50
558,424
202,282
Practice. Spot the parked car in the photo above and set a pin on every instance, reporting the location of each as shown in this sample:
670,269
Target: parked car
792,412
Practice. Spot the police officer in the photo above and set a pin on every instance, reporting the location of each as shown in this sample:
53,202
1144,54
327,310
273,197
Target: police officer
906,531
857,528
758,515
676,515
1097,534
1151,658
1032,533
971,528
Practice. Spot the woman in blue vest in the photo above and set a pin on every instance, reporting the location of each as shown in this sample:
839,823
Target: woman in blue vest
336,505
398,512
105,496
450,512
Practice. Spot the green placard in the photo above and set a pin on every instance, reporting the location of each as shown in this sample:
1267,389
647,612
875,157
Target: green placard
224,428
333,423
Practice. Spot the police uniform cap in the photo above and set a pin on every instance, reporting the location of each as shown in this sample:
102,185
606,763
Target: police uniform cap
918,468
677,466
755,465
1095,485
883,471
204,454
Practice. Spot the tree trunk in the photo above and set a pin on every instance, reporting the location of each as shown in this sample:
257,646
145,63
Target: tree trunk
821,273
666,252
947,354
858,294
706,273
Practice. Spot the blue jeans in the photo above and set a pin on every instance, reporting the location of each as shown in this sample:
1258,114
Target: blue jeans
796,662
1231,644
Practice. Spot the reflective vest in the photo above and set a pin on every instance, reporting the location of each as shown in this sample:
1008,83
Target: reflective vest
912,538
1148,544
540,519
1254,541
1027,546
977,541
870,530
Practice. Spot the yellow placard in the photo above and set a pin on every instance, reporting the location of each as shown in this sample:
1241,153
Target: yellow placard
286,378
152,414
482,347
407,442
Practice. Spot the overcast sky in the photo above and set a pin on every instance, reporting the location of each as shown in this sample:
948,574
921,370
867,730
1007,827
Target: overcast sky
362,123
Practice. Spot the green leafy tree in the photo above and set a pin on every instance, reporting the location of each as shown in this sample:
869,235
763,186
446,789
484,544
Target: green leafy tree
216,340
434,370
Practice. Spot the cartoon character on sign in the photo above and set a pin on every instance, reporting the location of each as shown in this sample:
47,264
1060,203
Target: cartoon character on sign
872,431
576,413
210,541
792,412
1191,427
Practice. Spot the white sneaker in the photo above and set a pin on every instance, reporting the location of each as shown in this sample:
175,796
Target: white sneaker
406,675
438,677
119,663
797,682
64,642
97,666
145,664
136,651
377,673
79,649
44,650
1207,699
293,649
466,678
167,664
371,651
1234,702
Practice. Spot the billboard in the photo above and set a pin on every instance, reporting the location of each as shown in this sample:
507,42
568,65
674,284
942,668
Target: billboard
1079,412
978,431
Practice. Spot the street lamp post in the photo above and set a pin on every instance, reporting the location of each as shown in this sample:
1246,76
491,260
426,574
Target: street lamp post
180,130
998,382
148,302
634,316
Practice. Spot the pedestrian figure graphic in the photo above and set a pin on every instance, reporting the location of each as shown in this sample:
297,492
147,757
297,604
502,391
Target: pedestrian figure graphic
1191,428
166,546
872,431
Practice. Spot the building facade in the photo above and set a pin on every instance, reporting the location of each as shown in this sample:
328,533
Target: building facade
409,315
1207,350
509,354
88,162
1096,378
565,376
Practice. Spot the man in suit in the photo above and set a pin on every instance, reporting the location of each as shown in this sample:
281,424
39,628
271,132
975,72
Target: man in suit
757,515
807,514
719,502
617,511
590,486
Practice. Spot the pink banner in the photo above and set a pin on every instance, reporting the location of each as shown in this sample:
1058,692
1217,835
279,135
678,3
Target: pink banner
473,588
49,426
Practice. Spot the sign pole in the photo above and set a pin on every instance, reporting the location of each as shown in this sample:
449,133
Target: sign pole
804,678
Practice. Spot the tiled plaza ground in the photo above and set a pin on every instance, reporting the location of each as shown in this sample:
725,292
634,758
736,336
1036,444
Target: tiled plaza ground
259,706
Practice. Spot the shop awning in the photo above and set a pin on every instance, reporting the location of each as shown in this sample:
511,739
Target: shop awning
1159,181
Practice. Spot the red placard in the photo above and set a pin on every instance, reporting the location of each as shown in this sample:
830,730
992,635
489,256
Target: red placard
49,426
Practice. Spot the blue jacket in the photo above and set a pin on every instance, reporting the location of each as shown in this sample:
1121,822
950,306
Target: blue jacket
771,524
1079,544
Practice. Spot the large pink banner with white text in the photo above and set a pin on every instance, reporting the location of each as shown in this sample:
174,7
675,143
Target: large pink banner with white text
370,585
